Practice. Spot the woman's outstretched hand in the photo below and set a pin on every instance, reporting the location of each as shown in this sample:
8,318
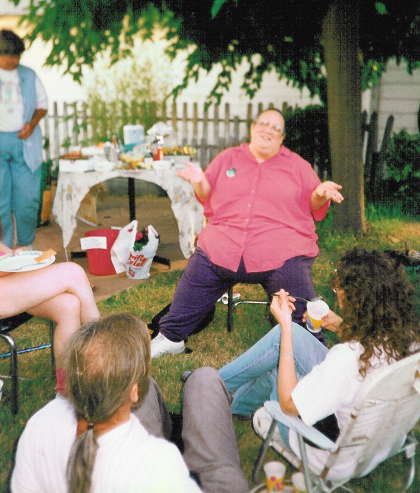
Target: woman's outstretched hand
328,190
193,173
282,307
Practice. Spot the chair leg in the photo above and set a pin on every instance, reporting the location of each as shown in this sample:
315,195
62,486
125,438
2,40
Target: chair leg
411,473
231,309
305,466
410,451
231,305
263,451
13,372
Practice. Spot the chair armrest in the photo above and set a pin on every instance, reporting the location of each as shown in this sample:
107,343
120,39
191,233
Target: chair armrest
296,424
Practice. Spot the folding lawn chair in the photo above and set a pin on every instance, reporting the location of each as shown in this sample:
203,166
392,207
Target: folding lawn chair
6,326
379,428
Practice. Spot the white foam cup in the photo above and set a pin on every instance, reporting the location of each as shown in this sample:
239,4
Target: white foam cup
316,311
298,482
274,474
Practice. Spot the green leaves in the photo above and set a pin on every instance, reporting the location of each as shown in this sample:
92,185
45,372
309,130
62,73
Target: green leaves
285,36
381,8
217,5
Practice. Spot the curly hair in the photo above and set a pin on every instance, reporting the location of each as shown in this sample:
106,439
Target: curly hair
377,306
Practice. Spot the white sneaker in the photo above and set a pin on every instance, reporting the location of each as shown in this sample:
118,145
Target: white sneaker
261,423
162,345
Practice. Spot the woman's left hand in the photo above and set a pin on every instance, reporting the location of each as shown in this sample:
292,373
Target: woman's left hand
328,190
26,131
282,307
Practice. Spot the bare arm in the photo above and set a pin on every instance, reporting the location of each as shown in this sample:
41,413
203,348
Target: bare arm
281,307
328,190
29,127
195,175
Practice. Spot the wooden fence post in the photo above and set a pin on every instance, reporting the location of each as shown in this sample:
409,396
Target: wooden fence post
185,124
194,141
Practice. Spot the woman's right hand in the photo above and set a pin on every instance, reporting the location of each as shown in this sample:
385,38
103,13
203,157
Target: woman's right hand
282,307
193,173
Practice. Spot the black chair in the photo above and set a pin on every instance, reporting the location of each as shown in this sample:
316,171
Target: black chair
231,305
6,326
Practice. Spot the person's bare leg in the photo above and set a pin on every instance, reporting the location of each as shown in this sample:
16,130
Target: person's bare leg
64,310
26,290
61,293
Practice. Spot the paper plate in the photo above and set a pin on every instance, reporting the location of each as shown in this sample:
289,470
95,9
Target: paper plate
23,262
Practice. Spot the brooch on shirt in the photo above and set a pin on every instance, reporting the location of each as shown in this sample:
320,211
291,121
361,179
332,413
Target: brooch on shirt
231,172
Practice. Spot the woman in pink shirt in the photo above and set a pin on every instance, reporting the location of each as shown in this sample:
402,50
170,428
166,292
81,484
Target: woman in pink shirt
60,292
260,200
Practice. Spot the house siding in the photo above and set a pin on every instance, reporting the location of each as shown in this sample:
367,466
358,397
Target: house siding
397,94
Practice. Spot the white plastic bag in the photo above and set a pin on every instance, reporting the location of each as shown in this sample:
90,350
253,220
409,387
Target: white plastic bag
120,250
139,262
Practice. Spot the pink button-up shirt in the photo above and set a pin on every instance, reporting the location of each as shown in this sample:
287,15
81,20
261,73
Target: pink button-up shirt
260,211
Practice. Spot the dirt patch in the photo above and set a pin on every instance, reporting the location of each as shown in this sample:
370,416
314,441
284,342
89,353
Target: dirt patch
112,210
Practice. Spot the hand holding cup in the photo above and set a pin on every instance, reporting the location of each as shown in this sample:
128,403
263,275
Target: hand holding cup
316,311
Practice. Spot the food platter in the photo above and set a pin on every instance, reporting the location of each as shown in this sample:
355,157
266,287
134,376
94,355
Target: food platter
73,157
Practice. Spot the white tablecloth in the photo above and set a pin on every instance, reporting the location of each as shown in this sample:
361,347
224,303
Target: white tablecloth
72,188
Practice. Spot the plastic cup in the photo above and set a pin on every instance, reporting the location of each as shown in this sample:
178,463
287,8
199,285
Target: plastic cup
274,474
316,311
298,483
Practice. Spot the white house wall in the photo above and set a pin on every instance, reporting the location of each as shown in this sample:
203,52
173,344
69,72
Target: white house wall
398,94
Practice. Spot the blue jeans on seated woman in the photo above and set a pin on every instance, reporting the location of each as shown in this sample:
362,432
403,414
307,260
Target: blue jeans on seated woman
252,377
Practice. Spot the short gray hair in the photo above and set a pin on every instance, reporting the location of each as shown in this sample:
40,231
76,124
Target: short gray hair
104,359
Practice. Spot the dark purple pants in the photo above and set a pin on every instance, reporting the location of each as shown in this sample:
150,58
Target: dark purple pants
203,283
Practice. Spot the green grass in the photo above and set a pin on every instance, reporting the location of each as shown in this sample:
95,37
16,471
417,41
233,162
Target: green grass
213,347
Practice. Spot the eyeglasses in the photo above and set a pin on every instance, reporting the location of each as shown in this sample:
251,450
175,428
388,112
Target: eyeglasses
266,125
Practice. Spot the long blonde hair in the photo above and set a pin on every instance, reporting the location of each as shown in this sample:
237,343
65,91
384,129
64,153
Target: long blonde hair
104,360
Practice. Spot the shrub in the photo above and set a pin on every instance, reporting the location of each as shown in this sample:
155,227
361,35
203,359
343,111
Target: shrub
403,171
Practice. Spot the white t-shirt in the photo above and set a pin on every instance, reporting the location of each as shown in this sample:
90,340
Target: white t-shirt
11,104
128,460
326,391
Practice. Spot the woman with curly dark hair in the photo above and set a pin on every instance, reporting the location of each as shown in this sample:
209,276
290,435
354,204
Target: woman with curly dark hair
378,327
378,306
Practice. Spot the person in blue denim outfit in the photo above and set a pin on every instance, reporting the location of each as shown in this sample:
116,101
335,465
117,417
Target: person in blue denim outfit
23,103
379,326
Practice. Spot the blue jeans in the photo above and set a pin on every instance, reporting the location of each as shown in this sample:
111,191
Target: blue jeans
19,191
252,377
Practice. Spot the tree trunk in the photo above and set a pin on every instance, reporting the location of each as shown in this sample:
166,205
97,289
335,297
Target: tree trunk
340,37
